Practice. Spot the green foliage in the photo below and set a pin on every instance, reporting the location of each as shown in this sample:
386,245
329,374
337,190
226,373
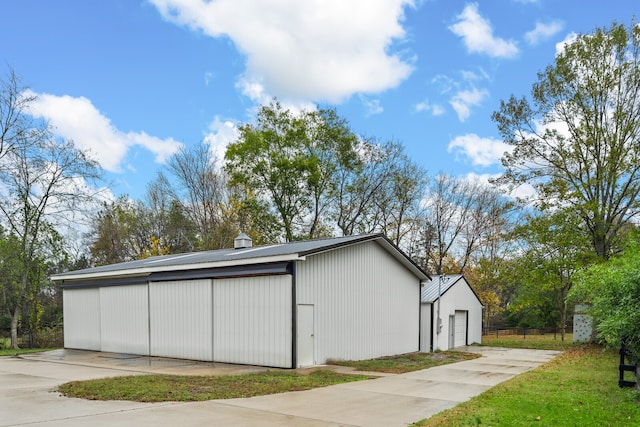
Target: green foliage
576,139
6,351
118,232
10,273
613,291
554,249
289,163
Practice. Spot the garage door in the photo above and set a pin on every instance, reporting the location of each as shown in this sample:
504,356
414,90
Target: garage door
81,318
180,319
252,320
124,319
461,328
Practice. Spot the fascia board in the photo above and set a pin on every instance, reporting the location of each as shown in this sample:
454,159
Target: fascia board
148,270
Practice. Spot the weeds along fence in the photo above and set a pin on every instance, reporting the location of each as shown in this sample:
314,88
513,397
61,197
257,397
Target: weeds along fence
46,336
524,332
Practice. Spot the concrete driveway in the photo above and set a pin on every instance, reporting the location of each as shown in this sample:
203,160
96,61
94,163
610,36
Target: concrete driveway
27,396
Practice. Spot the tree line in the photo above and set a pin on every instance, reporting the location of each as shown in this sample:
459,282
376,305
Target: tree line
307,175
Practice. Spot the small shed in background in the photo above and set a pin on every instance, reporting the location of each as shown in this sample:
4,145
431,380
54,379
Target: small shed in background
450,299
284,305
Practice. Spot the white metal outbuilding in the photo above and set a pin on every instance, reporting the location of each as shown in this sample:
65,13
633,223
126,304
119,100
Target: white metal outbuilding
450,299
289,305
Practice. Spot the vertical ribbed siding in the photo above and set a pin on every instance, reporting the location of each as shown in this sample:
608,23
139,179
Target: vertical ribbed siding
425,327
81,311
124,319
367,303
180,319
459,298
252,320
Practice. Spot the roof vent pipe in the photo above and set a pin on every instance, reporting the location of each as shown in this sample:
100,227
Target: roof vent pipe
242,241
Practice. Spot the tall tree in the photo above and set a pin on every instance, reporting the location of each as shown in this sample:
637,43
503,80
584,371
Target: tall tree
10,272
554,249
463,217
380,192
15,121
357,187
169,221
289,162
201,188
45,181
119,232
398,203
576,140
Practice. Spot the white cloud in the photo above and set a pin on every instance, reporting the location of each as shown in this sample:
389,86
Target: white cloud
525,193
543,31
208,78
465,99
437,110
480,179
570,38
300,50
221,134
79,120
444,83
482,151
372,105
472,76
478,35
434,109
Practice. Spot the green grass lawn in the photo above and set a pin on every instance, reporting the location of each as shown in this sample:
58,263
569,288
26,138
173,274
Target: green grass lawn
578,388
406,362
540,342
5,351
162,388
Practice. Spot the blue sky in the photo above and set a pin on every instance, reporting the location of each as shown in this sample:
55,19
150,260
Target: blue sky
134,80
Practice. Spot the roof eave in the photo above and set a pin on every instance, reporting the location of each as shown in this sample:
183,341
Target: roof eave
145,271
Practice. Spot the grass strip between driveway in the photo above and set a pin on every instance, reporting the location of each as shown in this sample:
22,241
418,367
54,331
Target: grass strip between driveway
163,388
577,388
406,362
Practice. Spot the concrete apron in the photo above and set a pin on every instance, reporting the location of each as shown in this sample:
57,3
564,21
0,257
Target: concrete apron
26,395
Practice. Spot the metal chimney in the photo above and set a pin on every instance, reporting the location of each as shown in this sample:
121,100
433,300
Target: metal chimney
242,241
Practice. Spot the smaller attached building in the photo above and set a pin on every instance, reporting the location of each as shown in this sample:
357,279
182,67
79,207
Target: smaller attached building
289,305
451,314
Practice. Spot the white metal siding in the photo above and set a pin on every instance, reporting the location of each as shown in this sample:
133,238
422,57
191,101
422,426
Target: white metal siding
425,327
81,308
124,319
180,319
459,298
252,320
367,303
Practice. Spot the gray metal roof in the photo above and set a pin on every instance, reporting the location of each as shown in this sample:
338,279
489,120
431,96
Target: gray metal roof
234,257
437,286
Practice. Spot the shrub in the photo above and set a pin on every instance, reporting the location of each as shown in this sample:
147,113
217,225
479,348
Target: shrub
612,289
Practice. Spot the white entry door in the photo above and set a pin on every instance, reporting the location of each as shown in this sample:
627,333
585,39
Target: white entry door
461,328
305,336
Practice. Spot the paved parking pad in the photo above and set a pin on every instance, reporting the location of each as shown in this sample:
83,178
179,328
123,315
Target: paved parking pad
27,396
